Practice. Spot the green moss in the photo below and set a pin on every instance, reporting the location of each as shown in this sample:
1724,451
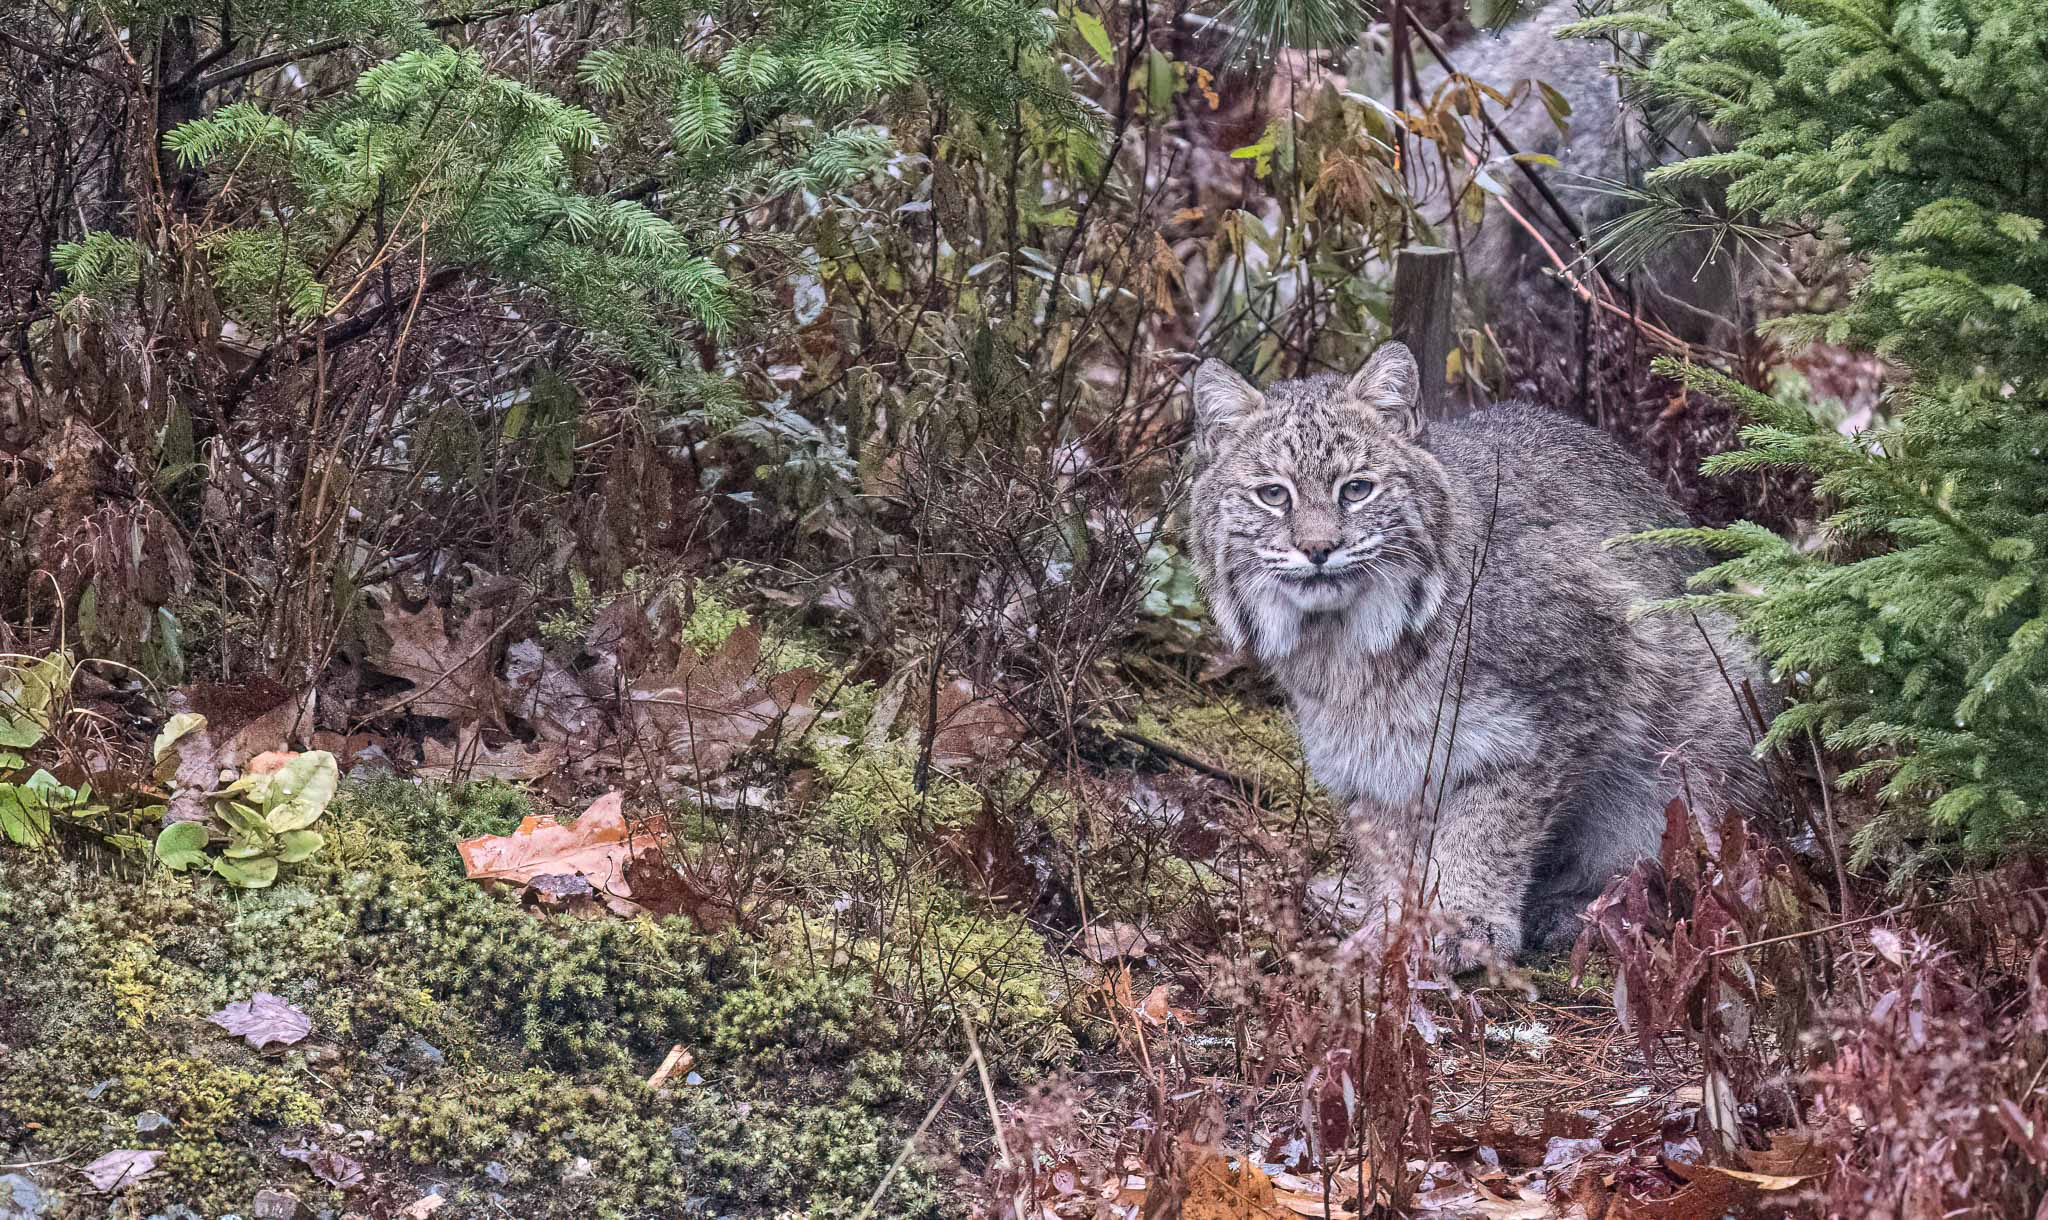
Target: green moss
489,1049
430,819
1253,741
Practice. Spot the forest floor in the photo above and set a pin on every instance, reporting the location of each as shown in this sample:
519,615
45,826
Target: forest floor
819,985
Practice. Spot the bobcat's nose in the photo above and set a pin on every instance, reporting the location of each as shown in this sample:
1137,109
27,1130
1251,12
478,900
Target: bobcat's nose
1317,553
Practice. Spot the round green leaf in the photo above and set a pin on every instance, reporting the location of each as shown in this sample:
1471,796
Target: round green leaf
247,874
309,779
182,845
296,845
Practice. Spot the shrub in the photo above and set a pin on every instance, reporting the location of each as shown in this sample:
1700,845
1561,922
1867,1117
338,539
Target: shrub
1909,134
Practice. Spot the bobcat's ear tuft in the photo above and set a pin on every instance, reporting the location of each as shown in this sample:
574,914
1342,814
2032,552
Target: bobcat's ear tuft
1390,386
1221,396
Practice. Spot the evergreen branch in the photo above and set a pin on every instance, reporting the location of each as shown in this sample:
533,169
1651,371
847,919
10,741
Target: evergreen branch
327,46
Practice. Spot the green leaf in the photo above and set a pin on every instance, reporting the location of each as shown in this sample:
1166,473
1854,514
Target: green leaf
1095,35
247,874
26,696
300,790
182,845
240,816
175,729
1159,82
296,845
23,816
249,847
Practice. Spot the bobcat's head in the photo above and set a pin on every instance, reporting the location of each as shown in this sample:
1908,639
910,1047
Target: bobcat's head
1316,498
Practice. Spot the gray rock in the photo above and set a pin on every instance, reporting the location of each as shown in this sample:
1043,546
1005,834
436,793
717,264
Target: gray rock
20,1198
497,1172
275,1205
150,1120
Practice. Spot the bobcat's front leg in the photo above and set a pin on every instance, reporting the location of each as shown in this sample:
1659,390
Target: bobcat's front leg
1474,852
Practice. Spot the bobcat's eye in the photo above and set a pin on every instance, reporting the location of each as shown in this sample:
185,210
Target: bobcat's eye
1272,495
1357,491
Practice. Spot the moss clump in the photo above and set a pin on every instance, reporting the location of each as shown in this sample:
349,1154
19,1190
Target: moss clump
430,819
602,1145
1253,741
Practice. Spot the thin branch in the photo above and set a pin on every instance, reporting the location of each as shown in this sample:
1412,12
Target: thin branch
327,46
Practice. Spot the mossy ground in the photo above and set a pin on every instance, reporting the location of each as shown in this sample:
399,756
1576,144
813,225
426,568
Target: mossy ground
460,1045
466,1047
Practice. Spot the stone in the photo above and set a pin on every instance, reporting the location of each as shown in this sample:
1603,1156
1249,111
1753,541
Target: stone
21,1199
275,1205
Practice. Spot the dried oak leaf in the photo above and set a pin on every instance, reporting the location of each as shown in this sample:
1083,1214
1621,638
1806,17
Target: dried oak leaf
717,706
333,1168
973,727
264,1020
472,758
120,1169
598,846
1225,1188
449,675
1106,943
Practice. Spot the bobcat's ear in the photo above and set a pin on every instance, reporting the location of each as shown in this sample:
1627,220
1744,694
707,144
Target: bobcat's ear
1221,396
1390,386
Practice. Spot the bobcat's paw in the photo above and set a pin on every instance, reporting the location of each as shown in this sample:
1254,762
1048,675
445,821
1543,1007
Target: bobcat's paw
1477,943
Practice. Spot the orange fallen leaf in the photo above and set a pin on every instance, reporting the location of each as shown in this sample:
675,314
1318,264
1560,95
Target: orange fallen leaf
598,846
1227,1188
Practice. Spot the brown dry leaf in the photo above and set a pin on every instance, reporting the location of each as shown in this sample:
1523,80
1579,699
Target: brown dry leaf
1305,1197
120,1169
1763,1181
424,1206
1155,1009
973,727
679,1059
1228,1188
333,1168
718,706
1106,943
1791,1153
598,846
470,757
450,676
264,1020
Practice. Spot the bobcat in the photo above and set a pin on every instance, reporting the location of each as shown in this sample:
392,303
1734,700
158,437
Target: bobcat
1457,645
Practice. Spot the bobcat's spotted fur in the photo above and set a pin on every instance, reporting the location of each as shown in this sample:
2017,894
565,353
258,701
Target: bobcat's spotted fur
1457,644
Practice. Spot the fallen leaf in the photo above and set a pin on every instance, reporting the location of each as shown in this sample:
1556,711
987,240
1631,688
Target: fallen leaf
598,847
423,1207
714,707
449,676
120,1169
1154,1008
470,758
679,1059
332,1168
1304,1196
263,1020
974,727
1106,943
1762,1181
1227,1188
